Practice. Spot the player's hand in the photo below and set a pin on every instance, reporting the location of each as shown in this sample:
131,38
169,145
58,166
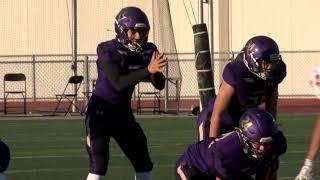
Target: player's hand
158,61
305,173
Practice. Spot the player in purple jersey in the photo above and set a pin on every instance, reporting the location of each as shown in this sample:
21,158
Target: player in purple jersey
248,81
122,63
237,155
4,159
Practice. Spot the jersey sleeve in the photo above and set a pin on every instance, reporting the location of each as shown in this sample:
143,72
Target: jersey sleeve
107,61
229,75
158,80
227,158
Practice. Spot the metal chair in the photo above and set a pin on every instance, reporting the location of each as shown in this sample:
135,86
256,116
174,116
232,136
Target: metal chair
15,84
69,95
145,90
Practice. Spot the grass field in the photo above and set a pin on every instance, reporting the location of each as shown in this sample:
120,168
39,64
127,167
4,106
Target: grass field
53,149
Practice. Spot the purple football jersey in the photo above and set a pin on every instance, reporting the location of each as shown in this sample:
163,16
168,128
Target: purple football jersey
250,90
128,61
223,157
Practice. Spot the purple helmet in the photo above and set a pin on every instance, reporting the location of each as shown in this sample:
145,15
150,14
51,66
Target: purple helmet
261,50
135,18
257,128
4,156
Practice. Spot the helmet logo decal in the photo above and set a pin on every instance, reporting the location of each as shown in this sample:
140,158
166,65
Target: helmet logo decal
251,46
250,49
246,124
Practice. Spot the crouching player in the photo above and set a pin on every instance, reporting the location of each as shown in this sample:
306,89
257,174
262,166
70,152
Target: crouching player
238,155
4,159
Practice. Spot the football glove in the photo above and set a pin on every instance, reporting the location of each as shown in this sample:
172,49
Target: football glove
306,171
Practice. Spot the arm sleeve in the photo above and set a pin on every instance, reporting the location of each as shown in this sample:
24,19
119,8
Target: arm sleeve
272,101
119,81
158,80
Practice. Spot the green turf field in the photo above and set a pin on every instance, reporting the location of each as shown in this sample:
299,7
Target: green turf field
54,149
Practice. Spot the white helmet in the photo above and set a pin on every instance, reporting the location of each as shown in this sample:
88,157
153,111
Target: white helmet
315,80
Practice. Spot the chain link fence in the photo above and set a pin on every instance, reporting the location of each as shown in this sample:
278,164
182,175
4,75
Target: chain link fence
47,75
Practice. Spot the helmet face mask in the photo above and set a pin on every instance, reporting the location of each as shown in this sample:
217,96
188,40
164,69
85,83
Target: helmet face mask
258,52
257,128
136,38
129,22
258,149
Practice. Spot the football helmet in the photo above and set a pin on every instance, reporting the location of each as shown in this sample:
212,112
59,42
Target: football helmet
261,56
257,129
4,156
135,19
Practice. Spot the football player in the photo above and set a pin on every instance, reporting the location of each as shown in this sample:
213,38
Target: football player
4,159
236,155
248,81
306,172
122,63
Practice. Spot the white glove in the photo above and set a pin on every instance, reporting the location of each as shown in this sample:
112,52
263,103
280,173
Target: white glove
306,171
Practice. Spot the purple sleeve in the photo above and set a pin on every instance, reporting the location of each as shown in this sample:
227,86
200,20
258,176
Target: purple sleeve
229,76
102,53
228,155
